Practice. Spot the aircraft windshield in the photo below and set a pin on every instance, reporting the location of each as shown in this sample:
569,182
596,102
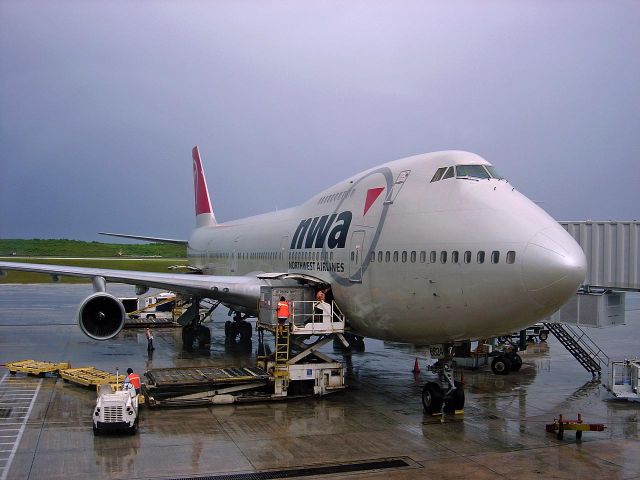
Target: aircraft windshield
493,172
473,171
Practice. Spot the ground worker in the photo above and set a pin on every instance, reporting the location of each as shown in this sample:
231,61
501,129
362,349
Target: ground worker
283,311
132,380
149,340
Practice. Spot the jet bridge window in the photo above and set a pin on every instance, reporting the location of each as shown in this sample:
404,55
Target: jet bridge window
511,256
472,171
438,174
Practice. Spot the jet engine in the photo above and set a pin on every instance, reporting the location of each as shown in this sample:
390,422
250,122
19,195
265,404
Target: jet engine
101,316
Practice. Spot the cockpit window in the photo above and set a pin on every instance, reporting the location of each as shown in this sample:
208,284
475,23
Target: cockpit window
438,174
473,171
493,172
449,173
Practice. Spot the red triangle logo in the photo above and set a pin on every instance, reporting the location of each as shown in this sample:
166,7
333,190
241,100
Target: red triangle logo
372,195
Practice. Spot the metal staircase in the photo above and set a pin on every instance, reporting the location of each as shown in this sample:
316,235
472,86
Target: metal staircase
583,349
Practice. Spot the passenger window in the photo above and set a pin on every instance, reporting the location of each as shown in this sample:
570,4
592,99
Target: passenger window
454,256
432,256
404,257
443,257
511,256
373,257
495,256
387,256
480,256
449,173
380,256
352,256
438,174
413,257
395,257
467,257
423,256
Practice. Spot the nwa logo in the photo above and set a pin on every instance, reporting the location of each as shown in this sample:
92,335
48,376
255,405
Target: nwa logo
312,232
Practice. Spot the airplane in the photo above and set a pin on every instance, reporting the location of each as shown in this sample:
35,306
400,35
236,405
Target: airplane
428,250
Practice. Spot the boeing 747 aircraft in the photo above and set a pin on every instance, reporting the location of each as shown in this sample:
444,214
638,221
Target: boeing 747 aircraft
426,250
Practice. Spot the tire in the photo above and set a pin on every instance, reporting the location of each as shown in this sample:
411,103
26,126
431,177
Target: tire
501,365
543,336
432,398
456,400
516,362
188,336
204,337
246,331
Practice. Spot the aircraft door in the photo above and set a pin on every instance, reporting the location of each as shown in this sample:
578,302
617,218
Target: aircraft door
233,265
356,253
284,251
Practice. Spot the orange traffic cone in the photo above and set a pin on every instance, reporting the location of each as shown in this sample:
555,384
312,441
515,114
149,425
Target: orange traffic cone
416,366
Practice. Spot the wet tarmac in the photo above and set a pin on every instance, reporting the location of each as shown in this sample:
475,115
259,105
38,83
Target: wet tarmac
45,428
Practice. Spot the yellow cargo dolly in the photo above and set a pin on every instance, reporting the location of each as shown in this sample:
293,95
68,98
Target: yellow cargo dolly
35,367
87,376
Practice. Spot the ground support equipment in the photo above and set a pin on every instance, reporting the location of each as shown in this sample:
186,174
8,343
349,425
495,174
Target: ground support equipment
204,386
36,367
624,380
559,426
150,323
88,376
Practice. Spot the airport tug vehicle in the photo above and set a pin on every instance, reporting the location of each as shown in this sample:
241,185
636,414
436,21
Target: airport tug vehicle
116,410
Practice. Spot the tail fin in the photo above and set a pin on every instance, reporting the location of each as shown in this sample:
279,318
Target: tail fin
204,212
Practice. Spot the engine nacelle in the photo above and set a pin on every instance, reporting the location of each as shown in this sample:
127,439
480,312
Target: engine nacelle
101,316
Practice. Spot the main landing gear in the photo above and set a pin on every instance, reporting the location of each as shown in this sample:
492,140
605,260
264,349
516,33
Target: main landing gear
506,362
238,327
446,394
192,328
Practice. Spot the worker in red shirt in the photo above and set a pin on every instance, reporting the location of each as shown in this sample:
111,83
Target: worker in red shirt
283,311
132,379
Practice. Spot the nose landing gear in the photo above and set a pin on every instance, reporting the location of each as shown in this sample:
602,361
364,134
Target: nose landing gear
447,394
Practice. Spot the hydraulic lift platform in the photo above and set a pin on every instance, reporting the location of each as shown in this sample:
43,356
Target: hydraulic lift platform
203,385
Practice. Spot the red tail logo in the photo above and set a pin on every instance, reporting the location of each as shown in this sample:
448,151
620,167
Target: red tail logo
203,204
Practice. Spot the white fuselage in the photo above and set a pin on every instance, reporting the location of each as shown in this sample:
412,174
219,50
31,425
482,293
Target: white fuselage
412,260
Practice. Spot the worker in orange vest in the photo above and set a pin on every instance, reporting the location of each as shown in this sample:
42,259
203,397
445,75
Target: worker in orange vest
132,379
283,311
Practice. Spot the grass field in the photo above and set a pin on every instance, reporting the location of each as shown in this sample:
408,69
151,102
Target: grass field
76,248
144,265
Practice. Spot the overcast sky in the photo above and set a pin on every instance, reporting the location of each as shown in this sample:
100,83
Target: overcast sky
101,102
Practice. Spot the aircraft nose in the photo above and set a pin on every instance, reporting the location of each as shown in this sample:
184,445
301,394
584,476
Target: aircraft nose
554,266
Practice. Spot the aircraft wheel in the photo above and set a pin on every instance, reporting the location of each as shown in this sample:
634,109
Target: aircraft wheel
204,337
516,362
246,331
543,336
501,365
456,400
187,337
432,398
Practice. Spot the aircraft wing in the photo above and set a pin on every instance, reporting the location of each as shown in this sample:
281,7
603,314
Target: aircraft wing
241,290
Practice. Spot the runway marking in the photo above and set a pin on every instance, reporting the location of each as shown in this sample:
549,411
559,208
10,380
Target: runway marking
18,397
